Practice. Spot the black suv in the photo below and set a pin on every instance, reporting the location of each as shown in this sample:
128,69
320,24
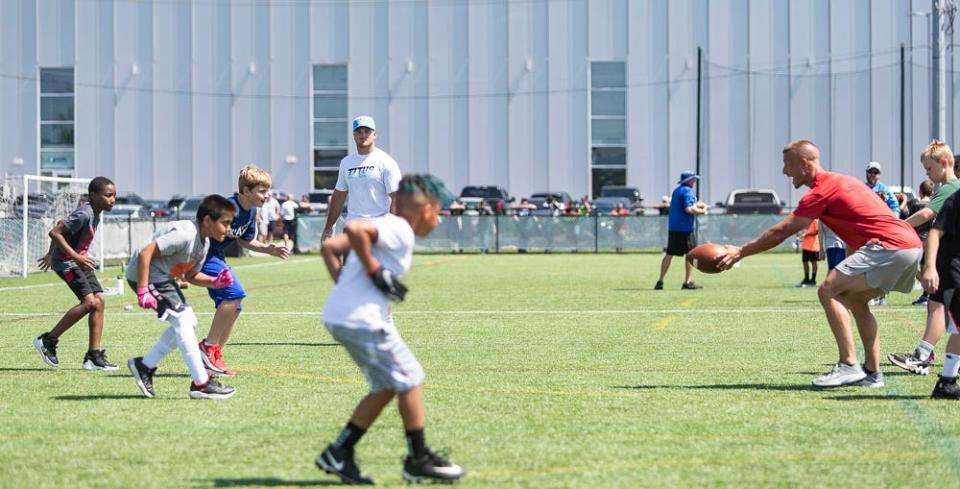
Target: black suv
629,193
497,197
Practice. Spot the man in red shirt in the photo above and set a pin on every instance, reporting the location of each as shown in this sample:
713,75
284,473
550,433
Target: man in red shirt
886,257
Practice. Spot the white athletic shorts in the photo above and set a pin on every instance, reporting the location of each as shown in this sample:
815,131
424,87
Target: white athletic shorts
884,269
383,357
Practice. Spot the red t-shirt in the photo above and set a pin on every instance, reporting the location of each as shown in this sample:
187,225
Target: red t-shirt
855,213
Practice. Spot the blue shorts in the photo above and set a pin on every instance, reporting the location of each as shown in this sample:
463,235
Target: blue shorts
234,292
835,256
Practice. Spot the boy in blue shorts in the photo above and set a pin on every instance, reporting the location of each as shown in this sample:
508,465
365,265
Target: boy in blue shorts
254,189
358,315
70,240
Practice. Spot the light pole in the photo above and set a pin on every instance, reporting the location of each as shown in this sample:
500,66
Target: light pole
938,79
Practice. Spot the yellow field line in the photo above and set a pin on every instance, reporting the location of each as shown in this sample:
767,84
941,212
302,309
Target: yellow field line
663,323
689,302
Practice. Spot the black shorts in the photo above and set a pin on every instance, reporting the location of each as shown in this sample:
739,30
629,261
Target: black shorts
82,282
290,228
680,243
168,295
809,256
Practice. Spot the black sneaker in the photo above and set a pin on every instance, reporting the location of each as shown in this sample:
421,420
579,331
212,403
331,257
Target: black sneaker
341,464
97,360
143,375
659,285
690,286
911,362
432,467
946,389
46,345
213,389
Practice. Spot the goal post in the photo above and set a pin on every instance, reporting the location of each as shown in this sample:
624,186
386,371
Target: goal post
30,206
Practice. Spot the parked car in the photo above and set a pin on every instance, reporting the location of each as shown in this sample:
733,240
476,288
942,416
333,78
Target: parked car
127,211
752,201
497,197
632,194
603,206
158,208
188,210
130,198
562,197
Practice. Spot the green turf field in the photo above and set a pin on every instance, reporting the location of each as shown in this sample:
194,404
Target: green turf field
542,371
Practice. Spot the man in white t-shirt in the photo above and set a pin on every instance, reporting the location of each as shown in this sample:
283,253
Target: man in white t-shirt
369,178
288,211
269,213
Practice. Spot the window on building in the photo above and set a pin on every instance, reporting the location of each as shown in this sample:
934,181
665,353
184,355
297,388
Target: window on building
56,121
330,123
608,124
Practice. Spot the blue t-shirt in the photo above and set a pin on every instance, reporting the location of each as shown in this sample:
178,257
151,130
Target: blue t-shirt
891,199
680,220
244,226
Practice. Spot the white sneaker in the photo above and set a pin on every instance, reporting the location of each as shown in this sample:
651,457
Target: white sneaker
842,374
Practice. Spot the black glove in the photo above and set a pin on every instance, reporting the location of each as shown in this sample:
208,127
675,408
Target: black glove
389,284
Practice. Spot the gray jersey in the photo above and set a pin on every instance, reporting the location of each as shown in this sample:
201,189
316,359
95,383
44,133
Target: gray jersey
181,250
81,224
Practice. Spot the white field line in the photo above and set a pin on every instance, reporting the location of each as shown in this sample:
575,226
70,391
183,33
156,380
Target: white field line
241,267
554,312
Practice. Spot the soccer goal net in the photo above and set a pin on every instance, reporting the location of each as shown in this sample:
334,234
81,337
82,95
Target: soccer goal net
29,207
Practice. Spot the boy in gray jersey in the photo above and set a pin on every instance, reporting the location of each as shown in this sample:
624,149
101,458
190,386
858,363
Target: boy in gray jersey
179,251
358,315
70,240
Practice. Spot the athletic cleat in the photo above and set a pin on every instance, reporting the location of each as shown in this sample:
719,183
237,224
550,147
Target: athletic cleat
340,463
690,286
143,375
431,467
921,301
806,283
659,285
46,345
213,389
841,374
874,380
946,389
911,362
213,359
97,360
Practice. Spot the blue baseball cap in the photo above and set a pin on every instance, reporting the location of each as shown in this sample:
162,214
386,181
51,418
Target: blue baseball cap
687,176
364,121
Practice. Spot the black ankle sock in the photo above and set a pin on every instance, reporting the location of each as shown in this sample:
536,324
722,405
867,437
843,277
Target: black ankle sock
813,278
868,371
349,436
416,443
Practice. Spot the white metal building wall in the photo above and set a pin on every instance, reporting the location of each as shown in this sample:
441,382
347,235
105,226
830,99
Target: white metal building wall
175,96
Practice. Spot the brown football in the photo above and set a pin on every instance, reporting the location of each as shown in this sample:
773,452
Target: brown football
706,257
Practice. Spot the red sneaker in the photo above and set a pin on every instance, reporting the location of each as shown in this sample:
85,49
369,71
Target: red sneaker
213,359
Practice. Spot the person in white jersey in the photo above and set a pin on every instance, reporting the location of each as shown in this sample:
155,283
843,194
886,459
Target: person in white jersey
367,182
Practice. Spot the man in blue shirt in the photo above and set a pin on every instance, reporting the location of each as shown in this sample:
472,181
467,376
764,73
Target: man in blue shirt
254,189
873,181
684,208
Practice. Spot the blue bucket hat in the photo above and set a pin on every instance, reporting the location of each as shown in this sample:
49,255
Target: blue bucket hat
687,176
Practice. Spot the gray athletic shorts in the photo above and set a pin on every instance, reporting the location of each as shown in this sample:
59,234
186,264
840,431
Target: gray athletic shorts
383,357
884,269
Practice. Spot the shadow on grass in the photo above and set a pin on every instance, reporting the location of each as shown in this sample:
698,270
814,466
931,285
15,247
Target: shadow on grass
252,343
878,397
39,369
762,387
161,375
270,482
97,397
637,289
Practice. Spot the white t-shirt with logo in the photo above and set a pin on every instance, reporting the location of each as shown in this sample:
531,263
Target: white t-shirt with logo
369,180
354,301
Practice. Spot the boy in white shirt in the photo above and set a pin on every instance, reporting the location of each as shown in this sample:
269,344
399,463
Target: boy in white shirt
179,251
357,314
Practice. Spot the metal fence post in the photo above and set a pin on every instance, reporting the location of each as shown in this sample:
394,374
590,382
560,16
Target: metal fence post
596,232
496,232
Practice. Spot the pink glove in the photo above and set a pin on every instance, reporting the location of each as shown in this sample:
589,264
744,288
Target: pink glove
145,299
224,279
